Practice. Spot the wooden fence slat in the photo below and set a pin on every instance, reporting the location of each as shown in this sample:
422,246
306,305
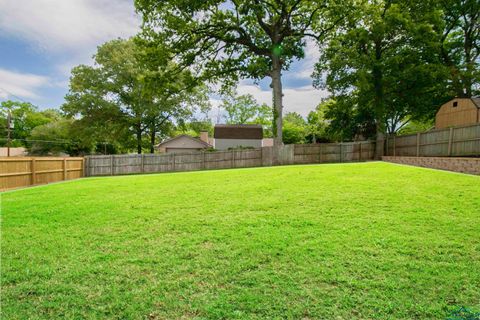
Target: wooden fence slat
28,171
457,141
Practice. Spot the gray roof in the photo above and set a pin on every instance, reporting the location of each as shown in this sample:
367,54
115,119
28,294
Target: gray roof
186,136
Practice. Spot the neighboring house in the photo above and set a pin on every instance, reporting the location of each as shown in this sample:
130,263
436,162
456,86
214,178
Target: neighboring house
184,144
238,135
458,112
14,152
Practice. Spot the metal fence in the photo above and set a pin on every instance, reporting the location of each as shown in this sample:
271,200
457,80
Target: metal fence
452,142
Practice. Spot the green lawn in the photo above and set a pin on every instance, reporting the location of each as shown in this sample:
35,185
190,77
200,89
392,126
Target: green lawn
346,241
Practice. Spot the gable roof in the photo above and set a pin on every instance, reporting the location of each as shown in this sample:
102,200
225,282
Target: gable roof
201,143
238,131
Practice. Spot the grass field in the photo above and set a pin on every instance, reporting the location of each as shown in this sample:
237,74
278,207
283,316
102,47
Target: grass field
346,241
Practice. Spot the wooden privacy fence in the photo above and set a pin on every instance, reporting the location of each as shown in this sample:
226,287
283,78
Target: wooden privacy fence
17,172
334,152
452,142
267,156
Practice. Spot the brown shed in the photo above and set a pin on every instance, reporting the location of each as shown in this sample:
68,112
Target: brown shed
458,112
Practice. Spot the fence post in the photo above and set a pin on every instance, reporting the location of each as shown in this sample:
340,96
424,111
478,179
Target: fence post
418,144
450,142
111,165
233,158
173,161
84,166
64,168
142,162
32,168
394,146
386,146
360,151
341,153
320,153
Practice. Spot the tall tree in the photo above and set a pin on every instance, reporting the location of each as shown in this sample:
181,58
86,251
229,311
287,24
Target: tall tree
244,109
25,117
460,44
384,60
239,38
295,128
127,92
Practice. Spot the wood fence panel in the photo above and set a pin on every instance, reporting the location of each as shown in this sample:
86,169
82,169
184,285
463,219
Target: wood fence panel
458,141
156,163
288,154
27,171
127,164
99,165
466,141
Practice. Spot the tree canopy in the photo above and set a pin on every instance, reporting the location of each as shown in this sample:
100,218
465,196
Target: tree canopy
240,38
131,91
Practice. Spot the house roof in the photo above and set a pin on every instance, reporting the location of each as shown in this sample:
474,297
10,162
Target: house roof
203,143
238,131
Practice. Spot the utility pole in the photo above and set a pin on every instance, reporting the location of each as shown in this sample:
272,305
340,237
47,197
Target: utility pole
9,120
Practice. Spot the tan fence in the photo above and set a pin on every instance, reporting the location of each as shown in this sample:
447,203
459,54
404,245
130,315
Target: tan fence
23,172
267,156
452,142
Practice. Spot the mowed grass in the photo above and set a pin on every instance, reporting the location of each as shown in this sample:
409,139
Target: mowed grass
346,241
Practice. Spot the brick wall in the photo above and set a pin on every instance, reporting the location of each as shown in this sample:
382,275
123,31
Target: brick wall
464,165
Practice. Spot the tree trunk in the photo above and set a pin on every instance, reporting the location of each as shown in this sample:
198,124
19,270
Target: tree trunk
139,139
379,107
152,139
277,100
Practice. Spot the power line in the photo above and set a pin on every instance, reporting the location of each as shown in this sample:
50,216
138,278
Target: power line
9,93
46,141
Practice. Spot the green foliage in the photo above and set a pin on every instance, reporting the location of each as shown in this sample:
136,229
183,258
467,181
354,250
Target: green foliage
54,138
244,109
460,44
384,65
340,241
294,128
417,126
240,39
131,92
25,117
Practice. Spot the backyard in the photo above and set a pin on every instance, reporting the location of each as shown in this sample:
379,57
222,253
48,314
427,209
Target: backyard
343,241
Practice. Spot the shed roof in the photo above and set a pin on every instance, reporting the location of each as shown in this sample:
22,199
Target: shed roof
200,142
238,131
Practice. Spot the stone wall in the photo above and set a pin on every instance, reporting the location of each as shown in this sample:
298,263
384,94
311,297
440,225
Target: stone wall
463,165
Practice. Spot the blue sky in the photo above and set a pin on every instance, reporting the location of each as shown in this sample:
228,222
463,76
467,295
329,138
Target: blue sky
41,40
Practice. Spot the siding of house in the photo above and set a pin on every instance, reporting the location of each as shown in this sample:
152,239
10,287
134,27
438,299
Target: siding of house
224,144
466,112
182,144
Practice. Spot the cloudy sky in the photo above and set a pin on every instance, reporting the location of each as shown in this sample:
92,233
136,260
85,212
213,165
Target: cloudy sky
41,40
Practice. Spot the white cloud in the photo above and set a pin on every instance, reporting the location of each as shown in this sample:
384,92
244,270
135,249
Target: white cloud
21,85
301,100
68,25
307,65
